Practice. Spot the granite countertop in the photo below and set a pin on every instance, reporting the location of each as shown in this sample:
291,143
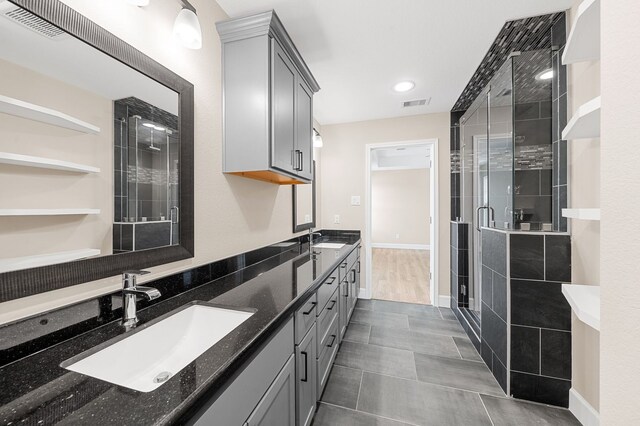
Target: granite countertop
36,390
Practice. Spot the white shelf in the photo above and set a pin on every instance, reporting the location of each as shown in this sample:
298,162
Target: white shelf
583,214
583,43
47,212
18,263
585,302
585,123
45,163
45,115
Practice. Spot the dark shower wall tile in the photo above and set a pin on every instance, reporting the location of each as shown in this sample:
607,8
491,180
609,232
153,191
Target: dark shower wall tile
545,109
533,132
527,111
555,354
545,182
500,373
562,162
559,32
540,389
525,349
539,304
558,258
487,286
494,332
499,295
494,250
527,256
527,182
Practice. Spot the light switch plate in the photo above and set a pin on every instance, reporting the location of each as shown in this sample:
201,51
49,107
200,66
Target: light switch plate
336,219
355,200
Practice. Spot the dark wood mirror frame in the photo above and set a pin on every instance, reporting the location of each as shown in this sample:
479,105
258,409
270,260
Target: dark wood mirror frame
299,227
27,282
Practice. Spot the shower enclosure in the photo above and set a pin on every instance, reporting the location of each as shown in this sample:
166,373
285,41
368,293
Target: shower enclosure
147,212
506,159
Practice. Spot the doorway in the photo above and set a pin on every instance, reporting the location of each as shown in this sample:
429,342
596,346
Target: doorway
401,222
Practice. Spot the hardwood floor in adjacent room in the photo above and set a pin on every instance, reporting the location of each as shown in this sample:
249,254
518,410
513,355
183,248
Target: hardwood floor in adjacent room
401,275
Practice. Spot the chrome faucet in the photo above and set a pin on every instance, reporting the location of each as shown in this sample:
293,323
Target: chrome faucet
129,293
311,234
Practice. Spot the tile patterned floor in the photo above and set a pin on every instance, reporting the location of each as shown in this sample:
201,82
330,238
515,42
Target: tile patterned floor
407,364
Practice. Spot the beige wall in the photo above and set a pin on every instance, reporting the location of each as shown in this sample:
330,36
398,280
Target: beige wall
620,204
584,192
34,188
343,172
400,207
232,214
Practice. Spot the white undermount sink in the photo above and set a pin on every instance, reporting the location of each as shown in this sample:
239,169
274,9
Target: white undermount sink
149,357
329,245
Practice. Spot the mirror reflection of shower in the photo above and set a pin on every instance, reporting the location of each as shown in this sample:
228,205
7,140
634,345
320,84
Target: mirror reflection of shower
147,212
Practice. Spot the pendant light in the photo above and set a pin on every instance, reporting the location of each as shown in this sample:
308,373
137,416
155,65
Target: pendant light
187,27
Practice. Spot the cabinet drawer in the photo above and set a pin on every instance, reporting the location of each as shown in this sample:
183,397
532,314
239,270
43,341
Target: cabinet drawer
326,318
351,259
305,317
327,355
343,269
327,288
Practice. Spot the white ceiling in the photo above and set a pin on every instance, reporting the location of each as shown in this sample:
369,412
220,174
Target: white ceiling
400,158
358,49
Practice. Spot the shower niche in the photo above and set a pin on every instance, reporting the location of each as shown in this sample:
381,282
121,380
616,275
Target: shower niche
146,171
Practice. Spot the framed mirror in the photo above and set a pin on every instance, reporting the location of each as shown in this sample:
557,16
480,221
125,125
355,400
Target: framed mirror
96,153
304,205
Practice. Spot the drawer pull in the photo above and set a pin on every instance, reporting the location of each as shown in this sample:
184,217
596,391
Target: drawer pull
330,282
333,303
333,340
353,277
313,305
305,367
344,265
358,266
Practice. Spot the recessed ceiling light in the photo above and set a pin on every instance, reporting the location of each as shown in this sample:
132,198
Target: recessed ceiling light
545,75
404,86
140,3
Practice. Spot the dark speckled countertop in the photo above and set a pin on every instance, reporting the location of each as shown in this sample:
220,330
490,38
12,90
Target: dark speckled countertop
35,390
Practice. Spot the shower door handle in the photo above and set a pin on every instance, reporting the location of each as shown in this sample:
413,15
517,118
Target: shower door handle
175,218
478,216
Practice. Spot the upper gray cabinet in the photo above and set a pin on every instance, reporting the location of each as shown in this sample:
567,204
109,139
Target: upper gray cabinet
267,102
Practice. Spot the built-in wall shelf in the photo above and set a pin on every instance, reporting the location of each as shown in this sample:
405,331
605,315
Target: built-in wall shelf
47,212
18,263
585,302
585,123
583,43
45,115
45,163
583,214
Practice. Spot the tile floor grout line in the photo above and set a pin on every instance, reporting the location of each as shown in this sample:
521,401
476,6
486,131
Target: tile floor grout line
418,352
369,414
359,388
457,348
486,409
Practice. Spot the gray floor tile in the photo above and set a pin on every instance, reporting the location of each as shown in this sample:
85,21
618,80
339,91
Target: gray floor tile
437,326
448,314
330,415
357,332
343,387
456,373
507,412
412,309
466,348
420,403
395,362
366,304
427,343
384,319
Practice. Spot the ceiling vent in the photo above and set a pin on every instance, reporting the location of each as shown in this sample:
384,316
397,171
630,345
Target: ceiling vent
417,102
29,20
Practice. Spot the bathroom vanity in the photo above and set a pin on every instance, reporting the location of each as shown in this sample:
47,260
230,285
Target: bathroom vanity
274,365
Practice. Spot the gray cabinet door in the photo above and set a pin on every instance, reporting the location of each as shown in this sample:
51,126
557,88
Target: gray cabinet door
344,306
306,378
304,130
283,93
278,406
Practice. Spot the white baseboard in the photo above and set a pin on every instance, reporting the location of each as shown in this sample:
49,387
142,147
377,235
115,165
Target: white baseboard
584,412
364,294
444,301
401,246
